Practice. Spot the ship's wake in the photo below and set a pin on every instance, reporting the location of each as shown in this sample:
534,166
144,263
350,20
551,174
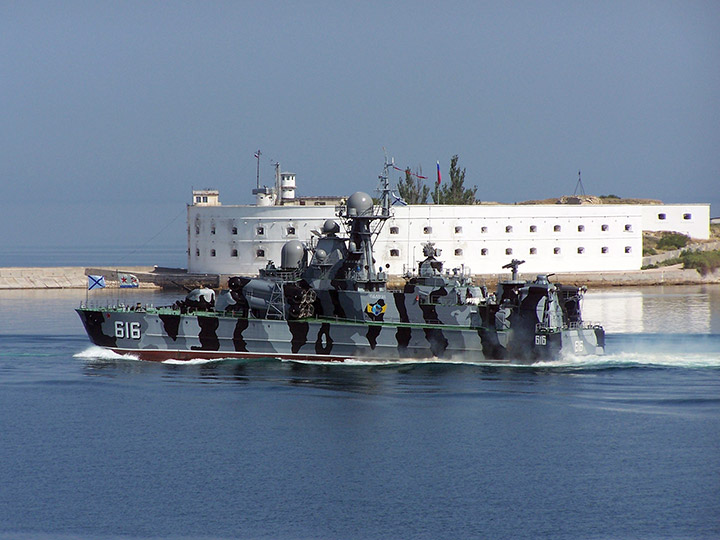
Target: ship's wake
95,353
623,351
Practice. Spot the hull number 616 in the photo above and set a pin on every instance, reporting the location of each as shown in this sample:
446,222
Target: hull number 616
127,330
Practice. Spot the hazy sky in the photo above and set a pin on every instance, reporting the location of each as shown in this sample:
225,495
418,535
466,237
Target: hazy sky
112,111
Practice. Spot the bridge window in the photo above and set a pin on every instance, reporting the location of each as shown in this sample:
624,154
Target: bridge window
212,230
427,230
394,252
661,216
508,251
197,252
533,228
483,251
458,229
212,252
260,231
508,228
291,231
628,227
687,216
533,251
556,251
604,249
604,227
581,250
628,249
233,253
197,229
557,228
260,253
458,252
581,228
234,230
394,230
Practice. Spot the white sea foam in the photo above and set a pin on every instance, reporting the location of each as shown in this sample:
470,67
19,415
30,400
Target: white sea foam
99,353
192,361
635,359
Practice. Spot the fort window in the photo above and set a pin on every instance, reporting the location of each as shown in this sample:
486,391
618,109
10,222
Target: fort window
394,230
604,227
394,252
212,252
533,251
533,228
290,231
458,252
557,228
508,251
581,228
687,216
661,216
458,229
234,230
234,253
483,251
604,249
508,228
427,230
556,251
483,229
581,250
260,253
628,227
628,249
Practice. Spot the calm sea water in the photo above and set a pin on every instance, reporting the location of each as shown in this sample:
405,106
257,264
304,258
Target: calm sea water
623,446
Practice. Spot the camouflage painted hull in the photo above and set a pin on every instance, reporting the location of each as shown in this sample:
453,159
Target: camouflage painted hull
163,334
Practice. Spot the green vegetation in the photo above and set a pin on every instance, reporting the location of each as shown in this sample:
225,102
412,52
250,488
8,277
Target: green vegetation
412,189
611,196
704,262
672,241
454,192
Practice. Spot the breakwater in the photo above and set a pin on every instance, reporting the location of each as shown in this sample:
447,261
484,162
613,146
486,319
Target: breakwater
75,277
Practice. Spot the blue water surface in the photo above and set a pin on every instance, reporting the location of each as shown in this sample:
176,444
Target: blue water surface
99,446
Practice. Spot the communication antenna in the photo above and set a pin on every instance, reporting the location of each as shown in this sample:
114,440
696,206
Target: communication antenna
579,185
257,156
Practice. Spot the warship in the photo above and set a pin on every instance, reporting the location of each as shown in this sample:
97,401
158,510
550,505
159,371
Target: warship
327,301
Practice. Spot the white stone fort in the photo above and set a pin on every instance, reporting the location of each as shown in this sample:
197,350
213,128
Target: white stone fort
478,239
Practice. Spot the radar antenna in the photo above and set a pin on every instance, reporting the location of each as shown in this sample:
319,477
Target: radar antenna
514,265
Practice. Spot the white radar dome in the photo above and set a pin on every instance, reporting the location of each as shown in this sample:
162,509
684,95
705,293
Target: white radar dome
359,204
292,254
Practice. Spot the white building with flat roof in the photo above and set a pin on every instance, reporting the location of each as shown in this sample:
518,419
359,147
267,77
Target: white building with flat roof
482,238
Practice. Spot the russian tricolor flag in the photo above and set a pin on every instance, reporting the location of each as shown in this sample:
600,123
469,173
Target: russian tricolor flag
438,169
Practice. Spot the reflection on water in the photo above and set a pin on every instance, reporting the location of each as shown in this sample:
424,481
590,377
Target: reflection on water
692,309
